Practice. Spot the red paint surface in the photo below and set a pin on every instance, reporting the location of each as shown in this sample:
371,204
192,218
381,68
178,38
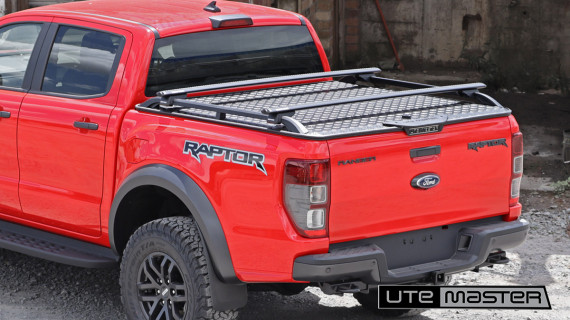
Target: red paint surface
376,198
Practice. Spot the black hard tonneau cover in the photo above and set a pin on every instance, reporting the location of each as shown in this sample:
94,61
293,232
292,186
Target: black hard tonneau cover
355,104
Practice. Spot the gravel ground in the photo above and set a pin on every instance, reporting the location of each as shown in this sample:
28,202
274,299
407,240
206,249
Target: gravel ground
544,259
33,289
36,289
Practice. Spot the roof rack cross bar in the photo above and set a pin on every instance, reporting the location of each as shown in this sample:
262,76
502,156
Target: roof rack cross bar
398,94
219,109
401,83
285,95
262,81
481,97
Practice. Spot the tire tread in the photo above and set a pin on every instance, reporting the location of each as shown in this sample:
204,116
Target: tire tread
183,234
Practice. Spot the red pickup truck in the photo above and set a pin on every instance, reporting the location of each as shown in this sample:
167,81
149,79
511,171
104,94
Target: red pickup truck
209,150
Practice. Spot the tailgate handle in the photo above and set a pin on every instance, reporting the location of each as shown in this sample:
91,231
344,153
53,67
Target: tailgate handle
427,151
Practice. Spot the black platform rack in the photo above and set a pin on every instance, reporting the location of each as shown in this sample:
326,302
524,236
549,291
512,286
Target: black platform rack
260,111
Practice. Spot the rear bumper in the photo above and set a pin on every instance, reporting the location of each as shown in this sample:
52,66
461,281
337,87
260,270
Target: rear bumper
368,262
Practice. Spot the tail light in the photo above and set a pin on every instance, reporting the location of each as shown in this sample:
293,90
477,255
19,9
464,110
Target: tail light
306,192
517,167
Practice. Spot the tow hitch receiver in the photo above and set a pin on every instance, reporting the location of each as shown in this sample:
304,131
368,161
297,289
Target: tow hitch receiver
498,257
343,287
438,278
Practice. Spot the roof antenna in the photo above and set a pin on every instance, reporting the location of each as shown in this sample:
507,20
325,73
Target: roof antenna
212,7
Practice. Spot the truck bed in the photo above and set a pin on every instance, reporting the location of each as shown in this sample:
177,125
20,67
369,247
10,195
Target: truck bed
358,103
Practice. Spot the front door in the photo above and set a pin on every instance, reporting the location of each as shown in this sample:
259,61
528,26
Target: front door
17,42
63,125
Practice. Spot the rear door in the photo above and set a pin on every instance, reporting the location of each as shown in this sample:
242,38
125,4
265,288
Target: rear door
373,179
20,41
63,124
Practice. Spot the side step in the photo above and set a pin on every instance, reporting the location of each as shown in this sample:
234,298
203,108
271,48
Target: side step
54,247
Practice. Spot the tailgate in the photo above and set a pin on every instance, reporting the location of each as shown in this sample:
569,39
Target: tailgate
372,176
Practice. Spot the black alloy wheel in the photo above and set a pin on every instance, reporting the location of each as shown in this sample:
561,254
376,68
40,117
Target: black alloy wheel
164,273
162,292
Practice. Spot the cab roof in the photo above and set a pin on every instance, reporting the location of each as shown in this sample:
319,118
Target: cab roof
167,17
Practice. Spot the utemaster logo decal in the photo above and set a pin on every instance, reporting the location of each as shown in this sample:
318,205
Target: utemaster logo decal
245,158
464,297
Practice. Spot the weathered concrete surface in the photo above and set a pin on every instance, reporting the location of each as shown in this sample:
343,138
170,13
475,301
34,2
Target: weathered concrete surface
514,43
518,43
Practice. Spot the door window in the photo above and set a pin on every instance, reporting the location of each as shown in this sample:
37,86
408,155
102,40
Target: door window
82,62
16,45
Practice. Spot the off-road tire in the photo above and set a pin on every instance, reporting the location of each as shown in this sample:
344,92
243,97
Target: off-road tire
164,273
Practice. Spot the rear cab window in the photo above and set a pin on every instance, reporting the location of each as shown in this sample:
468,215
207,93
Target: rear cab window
231,55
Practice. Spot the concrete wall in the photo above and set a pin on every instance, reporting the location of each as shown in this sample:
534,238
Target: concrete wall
522,43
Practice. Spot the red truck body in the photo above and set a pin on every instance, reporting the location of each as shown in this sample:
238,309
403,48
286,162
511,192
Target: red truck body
239,194
81,166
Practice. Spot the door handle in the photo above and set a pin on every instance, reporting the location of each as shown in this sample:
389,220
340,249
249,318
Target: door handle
422,152
86,125
4,114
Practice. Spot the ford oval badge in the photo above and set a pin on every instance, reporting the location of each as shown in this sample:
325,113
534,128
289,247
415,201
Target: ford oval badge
425,181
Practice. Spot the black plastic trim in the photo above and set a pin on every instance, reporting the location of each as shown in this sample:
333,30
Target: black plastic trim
228,292
303,22
368,262
218,20
5,114
225,296
427,151
43,57
86,125
53,247
34,57
195,200
211,7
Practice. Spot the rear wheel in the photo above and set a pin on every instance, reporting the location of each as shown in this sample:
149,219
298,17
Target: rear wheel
164,273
